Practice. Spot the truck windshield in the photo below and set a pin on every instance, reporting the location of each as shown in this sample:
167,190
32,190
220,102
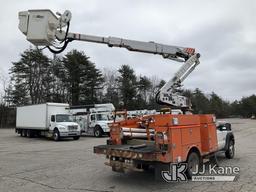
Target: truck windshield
64,118
102,117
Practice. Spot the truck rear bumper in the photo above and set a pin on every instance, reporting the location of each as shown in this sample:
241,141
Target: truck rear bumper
122,167
123,158
147,153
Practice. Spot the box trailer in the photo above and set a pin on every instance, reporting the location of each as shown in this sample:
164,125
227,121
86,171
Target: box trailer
48,119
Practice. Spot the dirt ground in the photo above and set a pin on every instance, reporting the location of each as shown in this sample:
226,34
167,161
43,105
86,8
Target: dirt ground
38,164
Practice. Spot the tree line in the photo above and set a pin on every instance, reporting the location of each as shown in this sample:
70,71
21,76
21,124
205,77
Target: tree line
74,79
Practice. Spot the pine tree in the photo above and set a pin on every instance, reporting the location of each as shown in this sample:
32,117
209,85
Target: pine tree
82,78
144,85
127,86
30,77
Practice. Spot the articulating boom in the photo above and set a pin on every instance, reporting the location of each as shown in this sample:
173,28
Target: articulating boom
43,28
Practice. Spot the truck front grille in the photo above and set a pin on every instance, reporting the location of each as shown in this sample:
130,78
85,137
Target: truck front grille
72,127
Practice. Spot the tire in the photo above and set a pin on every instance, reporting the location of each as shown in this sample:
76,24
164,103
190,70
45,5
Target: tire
230,152
76,137
97,131
56,135
23,133
193,162
30,133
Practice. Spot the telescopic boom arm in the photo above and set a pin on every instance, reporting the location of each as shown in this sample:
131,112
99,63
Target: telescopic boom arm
43,28
167,51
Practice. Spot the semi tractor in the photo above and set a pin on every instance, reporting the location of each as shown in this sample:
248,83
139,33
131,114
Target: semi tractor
51,120
154,140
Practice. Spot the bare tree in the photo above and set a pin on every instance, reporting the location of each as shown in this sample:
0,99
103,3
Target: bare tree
4,85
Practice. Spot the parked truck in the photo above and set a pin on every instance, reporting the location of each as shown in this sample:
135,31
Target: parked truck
160,140
94,119
51,120
154,140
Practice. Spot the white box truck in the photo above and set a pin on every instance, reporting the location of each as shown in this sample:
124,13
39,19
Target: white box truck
50,120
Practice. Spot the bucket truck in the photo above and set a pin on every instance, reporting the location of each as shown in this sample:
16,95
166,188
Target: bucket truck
154,140
93,119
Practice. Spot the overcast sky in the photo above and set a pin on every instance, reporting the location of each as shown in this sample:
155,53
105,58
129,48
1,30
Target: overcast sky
223,32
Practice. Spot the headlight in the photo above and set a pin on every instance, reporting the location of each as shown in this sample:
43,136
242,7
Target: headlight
104,126
62,128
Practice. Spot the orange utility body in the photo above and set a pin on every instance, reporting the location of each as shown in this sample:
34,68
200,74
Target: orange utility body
174,136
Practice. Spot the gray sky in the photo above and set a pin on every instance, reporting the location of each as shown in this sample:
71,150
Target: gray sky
223,32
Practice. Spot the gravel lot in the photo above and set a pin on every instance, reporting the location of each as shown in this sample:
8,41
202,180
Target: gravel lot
37,164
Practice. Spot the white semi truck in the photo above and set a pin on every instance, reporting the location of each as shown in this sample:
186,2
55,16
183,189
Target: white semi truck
94,119
50,120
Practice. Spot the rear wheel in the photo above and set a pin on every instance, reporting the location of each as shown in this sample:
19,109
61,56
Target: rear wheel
193,163
56,135
23,133
30,133
97,131
230,152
